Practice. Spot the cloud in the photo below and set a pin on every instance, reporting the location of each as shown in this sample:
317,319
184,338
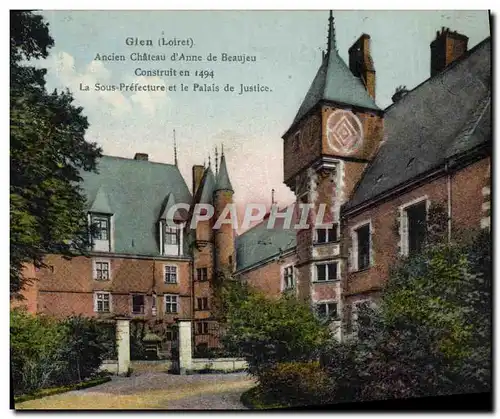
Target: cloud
150,102
112,104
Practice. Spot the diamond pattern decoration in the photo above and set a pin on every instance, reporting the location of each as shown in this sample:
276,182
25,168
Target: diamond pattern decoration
344,132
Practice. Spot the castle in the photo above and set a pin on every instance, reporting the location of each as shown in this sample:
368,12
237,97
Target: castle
378,171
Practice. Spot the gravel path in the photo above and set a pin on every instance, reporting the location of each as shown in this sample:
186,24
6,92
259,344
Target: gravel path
154,391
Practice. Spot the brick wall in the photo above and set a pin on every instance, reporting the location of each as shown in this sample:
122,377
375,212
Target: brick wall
466,199
67,287
298,157
268,278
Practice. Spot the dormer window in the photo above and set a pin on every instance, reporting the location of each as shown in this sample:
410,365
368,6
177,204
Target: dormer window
171,239
102,227
171,235
101,238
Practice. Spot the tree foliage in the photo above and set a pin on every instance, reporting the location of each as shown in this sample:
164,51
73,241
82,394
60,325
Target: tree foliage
430,334
47,153
49,352
267,331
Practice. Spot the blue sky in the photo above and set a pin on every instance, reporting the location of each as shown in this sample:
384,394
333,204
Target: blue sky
287,46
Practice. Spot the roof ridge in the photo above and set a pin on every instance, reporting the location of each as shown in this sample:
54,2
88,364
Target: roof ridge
460,59
134,160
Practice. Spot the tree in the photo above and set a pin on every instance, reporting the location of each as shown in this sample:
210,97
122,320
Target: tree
431,332
47,153
268,331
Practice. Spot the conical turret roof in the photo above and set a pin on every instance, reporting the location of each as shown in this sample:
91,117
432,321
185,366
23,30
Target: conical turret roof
223,182
208,186
335,82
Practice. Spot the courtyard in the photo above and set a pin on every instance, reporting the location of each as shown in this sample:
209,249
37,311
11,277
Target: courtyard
154,390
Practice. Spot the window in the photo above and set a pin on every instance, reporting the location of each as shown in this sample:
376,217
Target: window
417,225
327,271
171,240
202,274
101,232
101,225
101,270
288,277
363,246
413,227
202,303
327,235
171,335
138,304
102,302
153,305
170,272
171,303
202,328
171,235
327,310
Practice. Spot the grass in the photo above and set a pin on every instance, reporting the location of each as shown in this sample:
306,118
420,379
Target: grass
58,390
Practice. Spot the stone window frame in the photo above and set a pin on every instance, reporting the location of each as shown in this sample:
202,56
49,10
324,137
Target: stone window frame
163,226
202,306
284,286
96,299
404,243
135,294
205,329
111,230
327,262
170,265
329,301
354,267
95,261
177,303
202,278
335,227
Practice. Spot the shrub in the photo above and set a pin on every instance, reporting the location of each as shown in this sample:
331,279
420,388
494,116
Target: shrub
295,383
138,330
83,349
431,333
46,352
267,331
34,342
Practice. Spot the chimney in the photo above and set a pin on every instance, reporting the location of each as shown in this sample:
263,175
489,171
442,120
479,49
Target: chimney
361,63
198,171
141,156
446,48
399,93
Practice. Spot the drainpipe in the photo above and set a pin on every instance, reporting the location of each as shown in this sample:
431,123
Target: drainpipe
448,187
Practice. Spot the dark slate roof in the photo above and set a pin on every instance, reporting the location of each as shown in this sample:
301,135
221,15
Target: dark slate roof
101,203
260,243
223,182
136,192
446,115
207,187
335,82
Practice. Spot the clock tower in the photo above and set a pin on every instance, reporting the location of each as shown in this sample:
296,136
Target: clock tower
333,137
